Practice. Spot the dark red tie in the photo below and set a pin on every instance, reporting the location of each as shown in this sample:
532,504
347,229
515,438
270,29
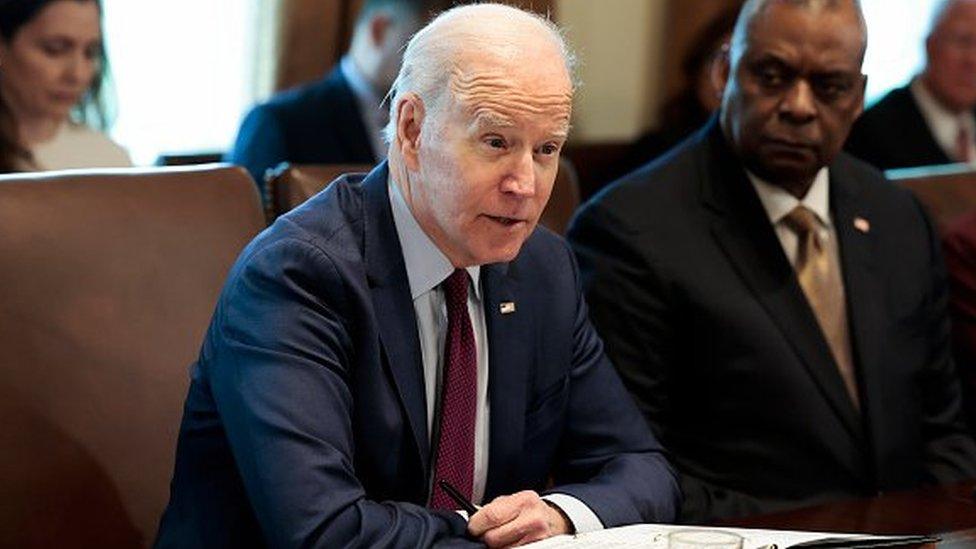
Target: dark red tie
454,461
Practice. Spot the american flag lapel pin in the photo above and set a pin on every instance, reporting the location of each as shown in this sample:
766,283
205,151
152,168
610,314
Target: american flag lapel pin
506,307
862,225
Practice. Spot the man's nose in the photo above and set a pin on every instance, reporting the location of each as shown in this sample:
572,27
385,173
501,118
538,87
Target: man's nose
799,104
520,178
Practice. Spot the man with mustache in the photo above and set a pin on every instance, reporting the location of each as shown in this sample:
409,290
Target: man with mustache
777,307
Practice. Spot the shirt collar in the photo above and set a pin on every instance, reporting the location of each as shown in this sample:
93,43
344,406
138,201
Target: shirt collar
427,266
943,122
778,203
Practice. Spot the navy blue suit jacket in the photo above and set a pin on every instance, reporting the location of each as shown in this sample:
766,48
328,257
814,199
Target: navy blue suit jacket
319,123
305,423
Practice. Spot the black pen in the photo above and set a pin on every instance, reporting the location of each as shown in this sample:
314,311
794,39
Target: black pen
466,505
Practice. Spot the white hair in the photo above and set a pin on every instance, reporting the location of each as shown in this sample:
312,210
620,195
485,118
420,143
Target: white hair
432,52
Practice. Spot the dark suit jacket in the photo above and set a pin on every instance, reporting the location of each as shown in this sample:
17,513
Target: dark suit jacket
894,134
702,314
318,123
305,423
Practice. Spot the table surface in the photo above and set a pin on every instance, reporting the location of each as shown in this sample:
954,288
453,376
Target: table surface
949,511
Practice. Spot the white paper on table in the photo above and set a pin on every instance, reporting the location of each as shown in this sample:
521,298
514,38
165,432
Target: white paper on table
655,536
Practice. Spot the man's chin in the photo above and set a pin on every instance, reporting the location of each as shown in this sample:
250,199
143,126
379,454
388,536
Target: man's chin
787,171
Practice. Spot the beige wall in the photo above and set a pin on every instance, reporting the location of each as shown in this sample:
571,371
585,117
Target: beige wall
619,44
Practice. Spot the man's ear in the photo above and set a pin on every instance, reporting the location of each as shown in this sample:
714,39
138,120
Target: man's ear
379,27
864,89
410,120
720,70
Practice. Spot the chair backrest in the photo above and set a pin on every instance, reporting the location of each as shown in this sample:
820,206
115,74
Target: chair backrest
288,185
291,184
947,192
564,200
108,283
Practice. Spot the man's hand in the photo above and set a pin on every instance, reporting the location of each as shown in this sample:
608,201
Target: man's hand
516,520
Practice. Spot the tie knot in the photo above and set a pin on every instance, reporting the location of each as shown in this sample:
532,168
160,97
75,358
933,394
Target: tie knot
801,220
456,287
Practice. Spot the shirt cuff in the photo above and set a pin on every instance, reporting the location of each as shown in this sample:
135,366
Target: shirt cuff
583,518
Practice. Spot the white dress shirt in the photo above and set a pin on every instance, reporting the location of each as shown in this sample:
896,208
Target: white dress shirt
427,267
778,204
370,102
943,123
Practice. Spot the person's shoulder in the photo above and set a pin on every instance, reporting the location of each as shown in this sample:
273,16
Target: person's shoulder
334,212
870,185
302,96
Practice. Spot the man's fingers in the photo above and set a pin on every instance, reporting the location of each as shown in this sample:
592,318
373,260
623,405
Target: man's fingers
500,511
530,525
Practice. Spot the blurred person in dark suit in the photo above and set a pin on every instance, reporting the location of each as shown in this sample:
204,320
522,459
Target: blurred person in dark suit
338,119
775,305
932,120
52,72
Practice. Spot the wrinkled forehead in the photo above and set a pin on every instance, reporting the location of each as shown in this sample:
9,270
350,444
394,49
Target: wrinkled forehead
503,90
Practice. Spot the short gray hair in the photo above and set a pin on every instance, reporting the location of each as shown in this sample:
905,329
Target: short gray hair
428,60
753,7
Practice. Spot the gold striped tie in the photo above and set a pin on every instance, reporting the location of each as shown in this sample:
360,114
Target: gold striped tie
819,275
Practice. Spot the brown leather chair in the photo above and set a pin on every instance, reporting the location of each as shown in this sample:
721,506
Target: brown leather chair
288,185
947,192
291,184
564,200
108,283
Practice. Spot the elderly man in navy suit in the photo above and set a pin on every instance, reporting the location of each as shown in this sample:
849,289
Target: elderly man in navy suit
338,119
775,305
414,328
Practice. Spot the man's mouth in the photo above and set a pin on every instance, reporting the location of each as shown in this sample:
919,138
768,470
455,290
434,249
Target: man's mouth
790,143
506,221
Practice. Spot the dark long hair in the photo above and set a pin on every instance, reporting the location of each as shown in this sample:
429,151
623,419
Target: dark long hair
91,109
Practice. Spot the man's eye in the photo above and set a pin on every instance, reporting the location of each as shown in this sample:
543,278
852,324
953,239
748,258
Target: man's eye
770,77
829,90
495,142
549,149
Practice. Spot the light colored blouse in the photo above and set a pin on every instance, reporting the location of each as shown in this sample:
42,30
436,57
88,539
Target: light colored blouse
78,146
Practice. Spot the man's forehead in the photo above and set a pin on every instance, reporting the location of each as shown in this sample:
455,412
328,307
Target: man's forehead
827,37
497,97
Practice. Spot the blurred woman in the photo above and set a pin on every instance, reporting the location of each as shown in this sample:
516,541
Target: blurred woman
52,71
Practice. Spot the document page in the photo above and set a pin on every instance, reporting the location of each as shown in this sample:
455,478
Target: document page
655,536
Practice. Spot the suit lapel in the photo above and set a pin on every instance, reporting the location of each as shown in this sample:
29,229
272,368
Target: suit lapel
510,357
390,288
741,227
865,311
